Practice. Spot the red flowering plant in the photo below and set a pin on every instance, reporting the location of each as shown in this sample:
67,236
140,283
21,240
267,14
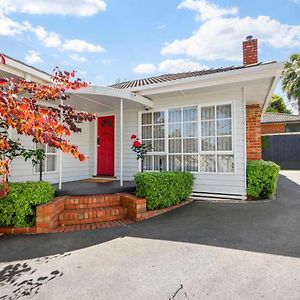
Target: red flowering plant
24,107
141,149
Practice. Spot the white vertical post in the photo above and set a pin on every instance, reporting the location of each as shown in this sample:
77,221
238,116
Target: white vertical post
60,153
121,142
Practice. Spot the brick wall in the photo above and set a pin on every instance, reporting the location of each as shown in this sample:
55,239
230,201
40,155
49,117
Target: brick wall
273,128
253,132
47,215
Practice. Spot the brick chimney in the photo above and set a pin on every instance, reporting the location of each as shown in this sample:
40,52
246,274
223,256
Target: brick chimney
250,56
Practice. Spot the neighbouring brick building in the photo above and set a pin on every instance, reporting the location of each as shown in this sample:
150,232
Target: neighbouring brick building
273,123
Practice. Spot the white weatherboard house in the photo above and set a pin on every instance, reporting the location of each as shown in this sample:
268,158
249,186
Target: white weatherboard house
204,122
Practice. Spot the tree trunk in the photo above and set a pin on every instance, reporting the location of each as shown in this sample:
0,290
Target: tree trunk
298,103
142,163
41,170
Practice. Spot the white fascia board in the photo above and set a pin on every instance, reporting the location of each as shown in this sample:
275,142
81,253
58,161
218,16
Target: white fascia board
271,90
234,76
18,69
114,93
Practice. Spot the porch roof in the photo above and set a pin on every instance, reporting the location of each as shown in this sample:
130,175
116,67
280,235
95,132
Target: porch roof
99,99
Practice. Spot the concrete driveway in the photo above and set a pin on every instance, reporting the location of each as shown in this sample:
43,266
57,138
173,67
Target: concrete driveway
215,251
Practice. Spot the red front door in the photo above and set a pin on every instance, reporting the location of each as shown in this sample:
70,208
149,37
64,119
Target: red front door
106,145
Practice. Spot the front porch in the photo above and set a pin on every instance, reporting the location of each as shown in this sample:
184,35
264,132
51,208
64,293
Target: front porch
88,188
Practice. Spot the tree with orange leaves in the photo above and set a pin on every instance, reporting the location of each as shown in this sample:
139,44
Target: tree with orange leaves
23,107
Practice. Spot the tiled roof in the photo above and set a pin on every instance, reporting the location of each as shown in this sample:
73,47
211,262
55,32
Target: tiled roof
279,117
175,76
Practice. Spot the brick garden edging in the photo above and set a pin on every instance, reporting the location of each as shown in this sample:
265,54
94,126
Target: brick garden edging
18,230
137,207
48,215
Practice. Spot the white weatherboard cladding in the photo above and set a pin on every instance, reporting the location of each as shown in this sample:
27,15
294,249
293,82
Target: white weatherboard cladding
130,167
72,169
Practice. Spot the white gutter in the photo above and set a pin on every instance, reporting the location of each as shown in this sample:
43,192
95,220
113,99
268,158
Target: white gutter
22,70
221,78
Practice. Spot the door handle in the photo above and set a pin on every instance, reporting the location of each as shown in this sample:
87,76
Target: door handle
98,140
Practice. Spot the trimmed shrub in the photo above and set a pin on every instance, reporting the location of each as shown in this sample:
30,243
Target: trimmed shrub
17,209
163,189
262,177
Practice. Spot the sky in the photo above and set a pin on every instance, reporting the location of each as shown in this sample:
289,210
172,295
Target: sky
111,40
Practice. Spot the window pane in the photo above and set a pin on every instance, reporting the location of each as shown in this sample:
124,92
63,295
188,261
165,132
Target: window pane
159,145
225,163
207,163
147,142
224,111
148,163
41,146
51,149
224,143
159,131
160,163
175,115
175,130
224,127
190,145
159,117
208,128
175,146
190,163
146,132
208,144
147,118
175,162
190,129
190,114
51,163
37,168
208,113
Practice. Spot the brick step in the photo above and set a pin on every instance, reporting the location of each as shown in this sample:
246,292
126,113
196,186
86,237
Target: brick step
74,202
91,215
92,226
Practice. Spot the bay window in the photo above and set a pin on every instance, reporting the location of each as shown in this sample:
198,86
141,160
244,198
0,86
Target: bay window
194,139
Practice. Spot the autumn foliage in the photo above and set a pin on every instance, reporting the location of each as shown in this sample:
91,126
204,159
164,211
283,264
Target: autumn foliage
25,107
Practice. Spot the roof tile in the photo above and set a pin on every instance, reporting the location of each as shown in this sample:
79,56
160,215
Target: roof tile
279,117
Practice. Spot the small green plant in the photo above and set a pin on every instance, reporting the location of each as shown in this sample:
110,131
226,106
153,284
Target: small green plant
262,177
17,209
163,189
37,157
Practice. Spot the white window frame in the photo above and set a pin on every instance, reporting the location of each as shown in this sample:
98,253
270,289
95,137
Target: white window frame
217,152
152,152
46,159
200,152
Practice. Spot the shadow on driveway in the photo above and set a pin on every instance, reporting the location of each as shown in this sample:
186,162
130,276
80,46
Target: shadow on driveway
267,227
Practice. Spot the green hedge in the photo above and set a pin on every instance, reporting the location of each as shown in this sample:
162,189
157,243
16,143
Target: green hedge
17,209
163,189
262,179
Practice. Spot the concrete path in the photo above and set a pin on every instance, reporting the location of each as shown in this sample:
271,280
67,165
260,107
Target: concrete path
216,251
